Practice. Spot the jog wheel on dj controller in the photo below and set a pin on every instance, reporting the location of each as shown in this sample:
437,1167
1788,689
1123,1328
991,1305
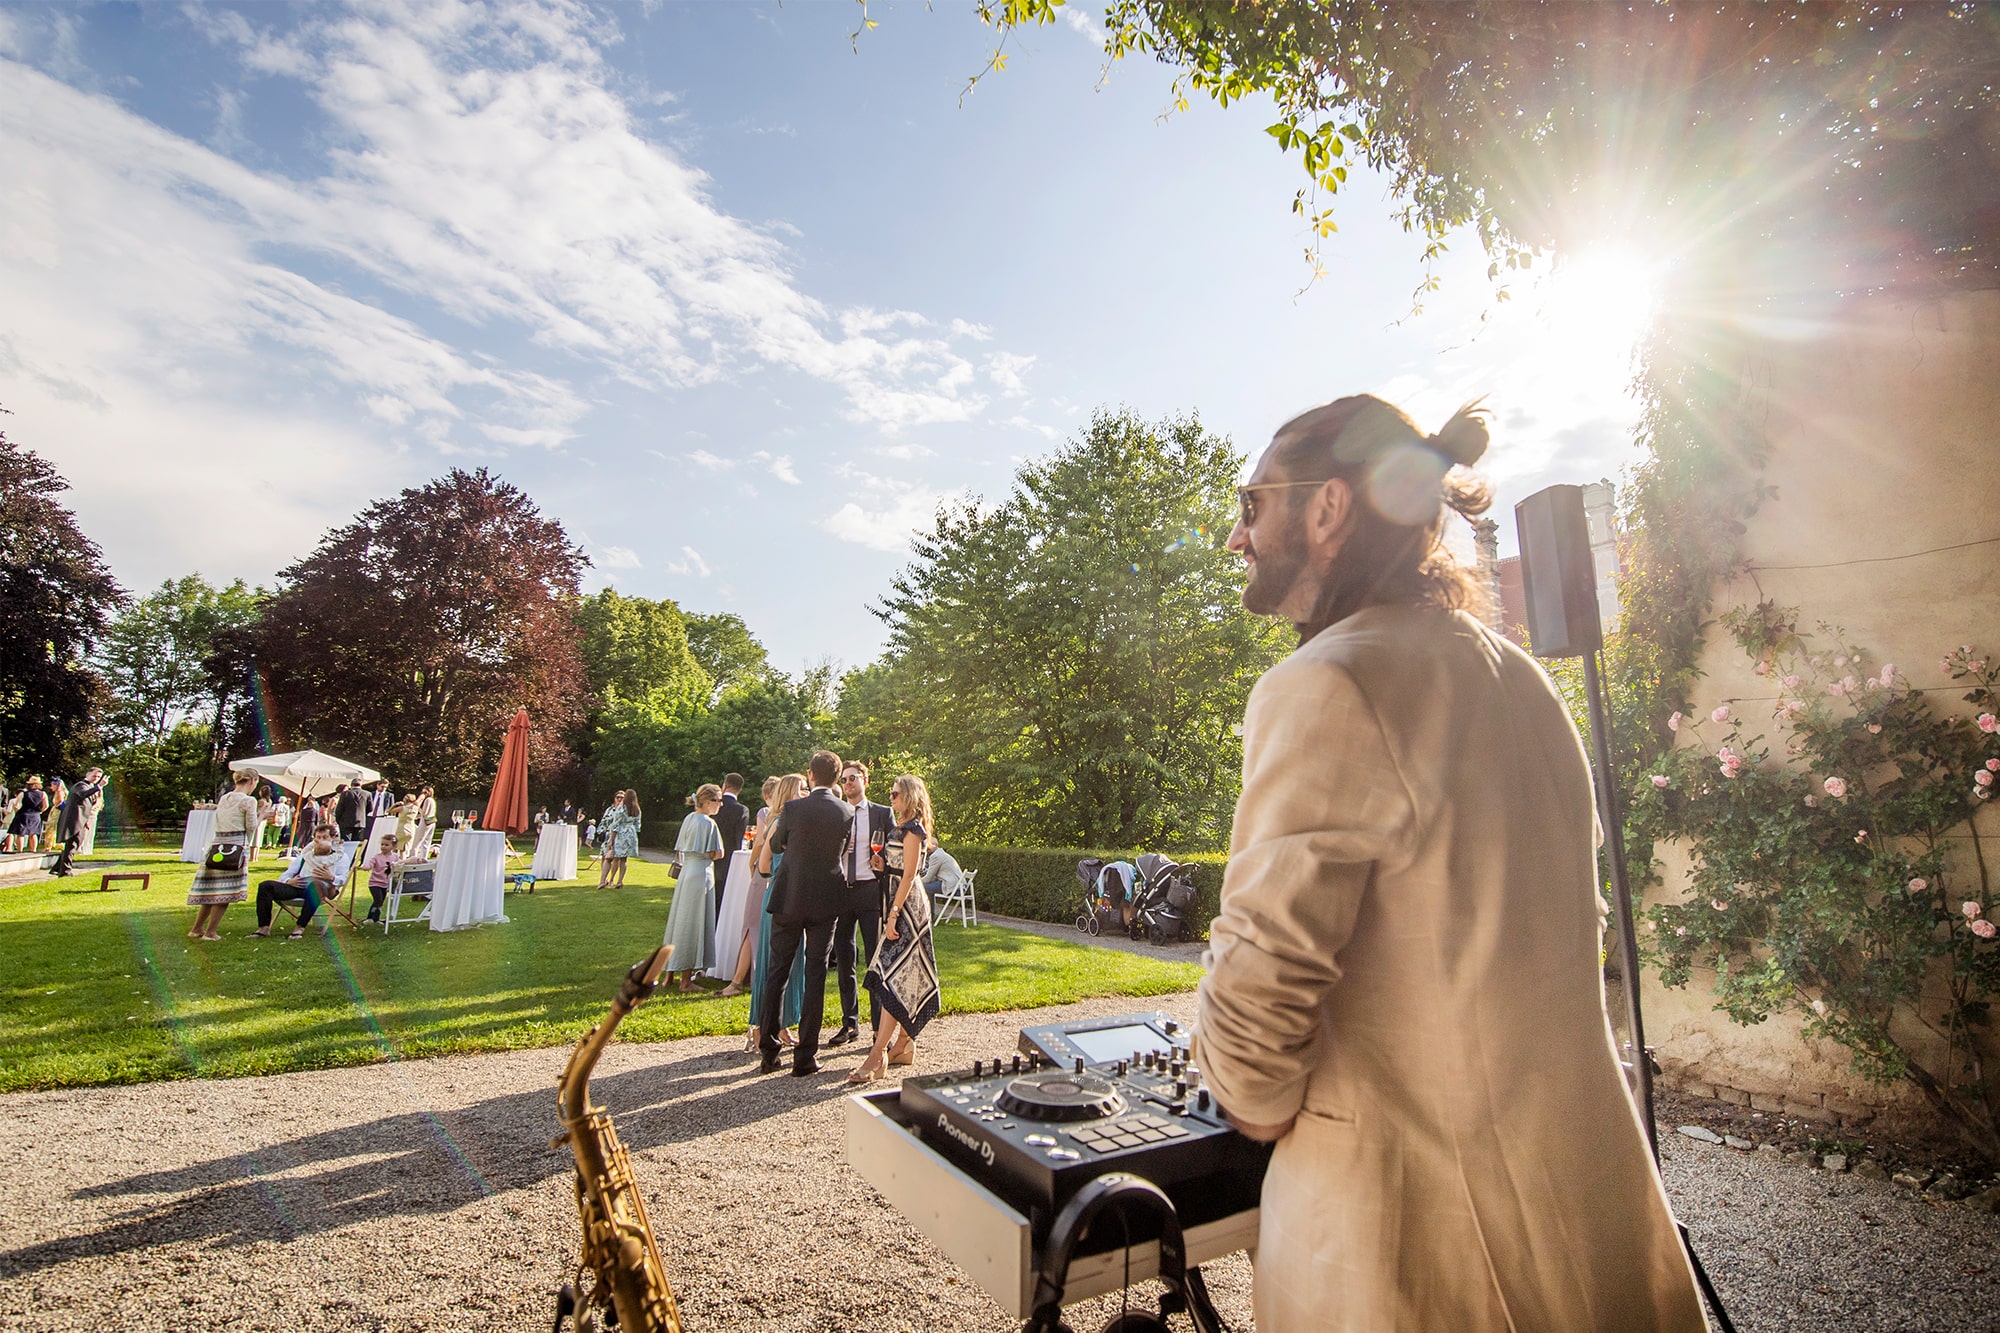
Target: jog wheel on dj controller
1060,1096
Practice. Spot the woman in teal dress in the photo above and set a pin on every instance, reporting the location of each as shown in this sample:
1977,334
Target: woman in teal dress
790,786
691,919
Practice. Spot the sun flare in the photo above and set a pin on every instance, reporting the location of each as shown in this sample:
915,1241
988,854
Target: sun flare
1601,300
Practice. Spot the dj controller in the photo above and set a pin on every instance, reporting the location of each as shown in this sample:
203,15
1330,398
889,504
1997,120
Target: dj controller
1082,1100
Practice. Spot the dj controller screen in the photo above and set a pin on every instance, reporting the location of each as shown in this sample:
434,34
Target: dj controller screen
1103,1045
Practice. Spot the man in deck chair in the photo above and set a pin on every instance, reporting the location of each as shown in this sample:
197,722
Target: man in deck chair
312,878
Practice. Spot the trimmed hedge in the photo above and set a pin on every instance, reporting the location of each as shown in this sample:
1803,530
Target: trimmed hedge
1040,884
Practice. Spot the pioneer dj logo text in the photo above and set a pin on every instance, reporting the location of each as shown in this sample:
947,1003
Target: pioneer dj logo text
978,1145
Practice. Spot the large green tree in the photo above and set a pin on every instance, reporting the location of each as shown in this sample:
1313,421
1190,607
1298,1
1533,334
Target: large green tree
726,649
154,653
635,651
55,599
1071,664
410,636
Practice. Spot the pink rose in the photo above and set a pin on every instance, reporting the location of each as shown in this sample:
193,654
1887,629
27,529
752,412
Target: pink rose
1919,885
1835,787
1811,799
1721,713
1862,836
1819,1007
1993,765
1762,668
1678,930
1985,930
1837,689
1888,676
1791,682
1971,909
1983,778
1674,722
1660,779
1988,723
1874,728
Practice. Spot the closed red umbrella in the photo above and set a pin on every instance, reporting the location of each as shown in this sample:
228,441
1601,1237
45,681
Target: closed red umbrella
507,808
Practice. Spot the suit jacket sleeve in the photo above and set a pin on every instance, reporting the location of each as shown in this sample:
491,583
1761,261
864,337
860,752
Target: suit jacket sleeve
1322,803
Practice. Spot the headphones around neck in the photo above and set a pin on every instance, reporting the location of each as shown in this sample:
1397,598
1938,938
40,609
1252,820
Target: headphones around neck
1186,1291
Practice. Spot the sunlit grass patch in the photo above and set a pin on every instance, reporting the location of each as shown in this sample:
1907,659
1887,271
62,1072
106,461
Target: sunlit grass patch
107,988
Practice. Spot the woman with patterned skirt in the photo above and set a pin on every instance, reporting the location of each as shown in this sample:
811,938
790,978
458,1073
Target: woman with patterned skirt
903,975
214,889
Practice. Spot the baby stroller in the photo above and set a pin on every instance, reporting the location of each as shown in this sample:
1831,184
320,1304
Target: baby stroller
1108,887
1166,895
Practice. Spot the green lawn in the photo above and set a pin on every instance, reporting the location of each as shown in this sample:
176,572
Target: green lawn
107,988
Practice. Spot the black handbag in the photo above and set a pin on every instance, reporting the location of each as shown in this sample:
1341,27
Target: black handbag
227,858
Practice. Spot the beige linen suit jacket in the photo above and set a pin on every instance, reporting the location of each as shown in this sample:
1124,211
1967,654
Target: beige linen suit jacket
1407,959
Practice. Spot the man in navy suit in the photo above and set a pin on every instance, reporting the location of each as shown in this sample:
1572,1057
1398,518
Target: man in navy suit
733,819
808,894
869,826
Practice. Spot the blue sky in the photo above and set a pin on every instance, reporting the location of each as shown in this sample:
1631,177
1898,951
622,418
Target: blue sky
737,303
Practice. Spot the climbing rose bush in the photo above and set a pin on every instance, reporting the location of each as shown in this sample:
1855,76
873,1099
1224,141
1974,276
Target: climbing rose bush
1836,861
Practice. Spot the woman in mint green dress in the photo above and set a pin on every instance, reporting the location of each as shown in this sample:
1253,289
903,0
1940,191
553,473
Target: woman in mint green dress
691,919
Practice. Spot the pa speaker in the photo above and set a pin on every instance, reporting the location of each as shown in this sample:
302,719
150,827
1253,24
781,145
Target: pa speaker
1558,579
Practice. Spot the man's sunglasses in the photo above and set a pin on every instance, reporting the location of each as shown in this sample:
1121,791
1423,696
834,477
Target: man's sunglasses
1246,497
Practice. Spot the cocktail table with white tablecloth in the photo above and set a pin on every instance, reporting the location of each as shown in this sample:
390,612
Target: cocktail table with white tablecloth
555,852
199,833
735,913
468,887
380,827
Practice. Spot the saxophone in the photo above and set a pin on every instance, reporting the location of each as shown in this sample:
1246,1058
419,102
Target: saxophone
628,1281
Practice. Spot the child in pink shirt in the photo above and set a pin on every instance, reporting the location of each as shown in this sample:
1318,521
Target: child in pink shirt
379,867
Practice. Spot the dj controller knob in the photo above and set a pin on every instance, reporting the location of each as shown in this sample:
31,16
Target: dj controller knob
1201,1100
1124,1068
1180,1088
1060,1096
1017,1065
1079,1064
1171,1027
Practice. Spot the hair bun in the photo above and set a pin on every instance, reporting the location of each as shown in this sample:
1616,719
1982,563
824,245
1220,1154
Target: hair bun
1463,439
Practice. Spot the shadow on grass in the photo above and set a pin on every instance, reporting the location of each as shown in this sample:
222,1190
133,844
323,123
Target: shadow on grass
413,1164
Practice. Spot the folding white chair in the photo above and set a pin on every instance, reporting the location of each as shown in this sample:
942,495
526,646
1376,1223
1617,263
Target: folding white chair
410,879
963,896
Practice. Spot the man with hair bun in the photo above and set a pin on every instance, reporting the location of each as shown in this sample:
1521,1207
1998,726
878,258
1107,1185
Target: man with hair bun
1404,989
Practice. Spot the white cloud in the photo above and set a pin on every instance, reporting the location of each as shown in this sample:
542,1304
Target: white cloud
1040,428
618,557
702,458
1004,369
165,261
886,513
779,466
690,563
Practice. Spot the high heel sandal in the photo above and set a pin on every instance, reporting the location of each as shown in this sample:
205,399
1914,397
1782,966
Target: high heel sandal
865,1074
906,1054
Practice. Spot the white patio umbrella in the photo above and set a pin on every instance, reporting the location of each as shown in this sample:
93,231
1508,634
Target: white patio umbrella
307,773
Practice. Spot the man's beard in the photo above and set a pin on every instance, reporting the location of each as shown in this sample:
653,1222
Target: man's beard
1280,561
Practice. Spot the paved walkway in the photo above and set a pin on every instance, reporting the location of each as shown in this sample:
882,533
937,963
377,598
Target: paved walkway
424,1195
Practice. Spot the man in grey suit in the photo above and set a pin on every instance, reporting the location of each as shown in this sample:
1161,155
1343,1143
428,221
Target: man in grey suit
808,894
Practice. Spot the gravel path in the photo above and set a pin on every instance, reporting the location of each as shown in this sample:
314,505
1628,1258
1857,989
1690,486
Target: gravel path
424,1195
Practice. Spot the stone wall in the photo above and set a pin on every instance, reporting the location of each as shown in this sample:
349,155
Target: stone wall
1884,422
